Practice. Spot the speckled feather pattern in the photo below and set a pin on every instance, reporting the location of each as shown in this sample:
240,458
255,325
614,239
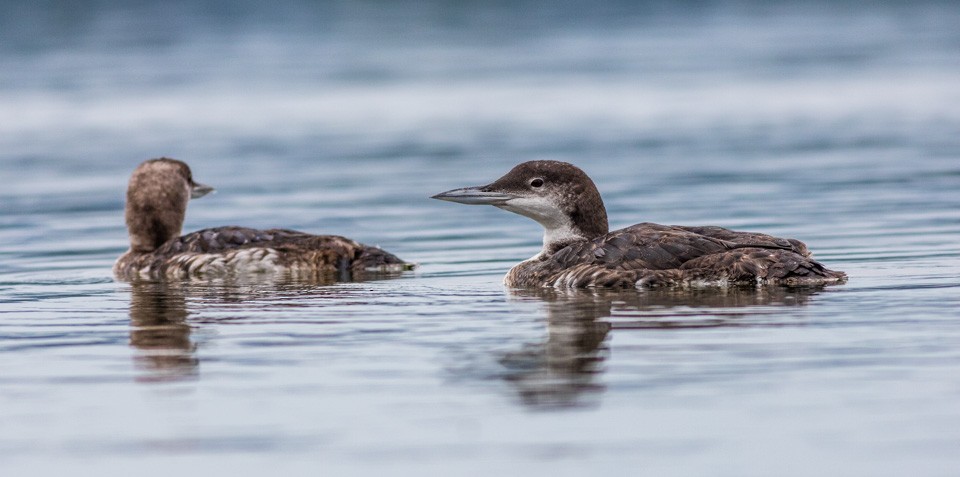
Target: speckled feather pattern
652,255
226,250
157,197
578,251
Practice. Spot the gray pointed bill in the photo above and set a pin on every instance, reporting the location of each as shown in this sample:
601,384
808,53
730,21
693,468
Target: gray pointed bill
199,190
474,196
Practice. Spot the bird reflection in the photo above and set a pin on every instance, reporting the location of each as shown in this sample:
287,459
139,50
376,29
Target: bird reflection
159,326
564,369
159,330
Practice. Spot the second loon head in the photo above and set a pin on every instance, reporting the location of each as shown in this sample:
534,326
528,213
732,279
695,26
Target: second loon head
558,195
157,197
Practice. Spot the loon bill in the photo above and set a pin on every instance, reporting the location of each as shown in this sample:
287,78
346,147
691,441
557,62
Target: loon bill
580,251
157,197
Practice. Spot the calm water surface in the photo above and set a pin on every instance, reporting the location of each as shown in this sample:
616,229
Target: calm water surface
825,122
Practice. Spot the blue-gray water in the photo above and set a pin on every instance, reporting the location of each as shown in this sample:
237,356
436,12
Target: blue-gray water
831,122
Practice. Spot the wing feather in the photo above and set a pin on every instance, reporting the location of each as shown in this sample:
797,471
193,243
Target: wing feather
653,254
219,250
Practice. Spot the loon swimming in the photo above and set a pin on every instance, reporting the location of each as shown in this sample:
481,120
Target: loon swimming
580,251
157,199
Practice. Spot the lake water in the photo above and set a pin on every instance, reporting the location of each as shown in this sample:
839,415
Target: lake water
829,122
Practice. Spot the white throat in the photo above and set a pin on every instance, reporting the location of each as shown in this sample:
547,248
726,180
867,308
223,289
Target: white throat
558,228
565,234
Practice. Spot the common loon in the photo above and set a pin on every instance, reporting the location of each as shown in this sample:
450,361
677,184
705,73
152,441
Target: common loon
580,251
157,199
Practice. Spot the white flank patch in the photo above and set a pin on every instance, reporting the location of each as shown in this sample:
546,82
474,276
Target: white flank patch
388,268
243,261
254,260
701,283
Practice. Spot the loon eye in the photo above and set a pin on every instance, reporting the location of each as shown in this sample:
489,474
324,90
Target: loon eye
536,182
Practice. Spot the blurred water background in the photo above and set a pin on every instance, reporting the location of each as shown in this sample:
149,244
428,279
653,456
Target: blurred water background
832,122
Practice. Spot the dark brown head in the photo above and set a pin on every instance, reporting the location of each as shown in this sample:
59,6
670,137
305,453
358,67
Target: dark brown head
558,195
157,202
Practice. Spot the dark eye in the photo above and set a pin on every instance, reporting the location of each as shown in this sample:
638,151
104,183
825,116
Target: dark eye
536,182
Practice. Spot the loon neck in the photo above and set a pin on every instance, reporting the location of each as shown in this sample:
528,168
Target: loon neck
149,233
556,239
154,214
577,227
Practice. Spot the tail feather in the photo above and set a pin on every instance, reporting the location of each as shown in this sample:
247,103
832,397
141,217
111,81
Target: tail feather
766,265
375,259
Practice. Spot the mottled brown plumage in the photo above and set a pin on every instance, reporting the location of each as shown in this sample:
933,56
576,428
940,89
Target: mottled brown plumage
156,204
578,251
661,255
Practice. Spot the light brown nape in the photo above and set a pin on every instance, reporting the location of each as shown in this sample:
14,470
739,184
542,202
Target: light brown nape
157,199
584,204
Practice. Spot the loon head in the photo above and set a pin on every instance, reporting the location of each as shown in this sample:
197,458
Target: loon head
157,199
558,195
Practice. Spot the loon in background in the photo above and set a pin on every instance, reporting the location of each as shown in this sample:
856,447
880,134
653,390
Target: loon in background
580,251
157,199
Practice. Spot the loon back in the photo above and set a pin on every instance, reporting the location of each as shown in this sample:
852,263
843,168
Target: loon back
230,250
655,255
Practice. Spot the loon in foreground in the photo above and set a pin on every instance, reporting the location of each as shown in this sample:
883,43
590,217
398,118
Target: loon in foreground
580,251
157,199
